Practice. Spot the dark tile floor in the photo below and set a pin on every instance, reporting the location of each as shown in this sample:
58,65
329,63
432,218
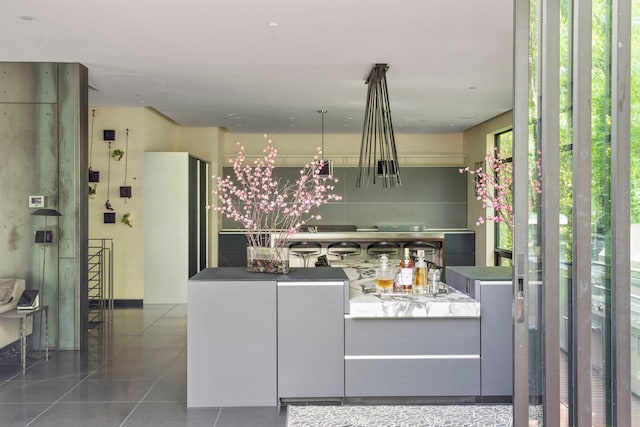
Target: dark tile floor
135,374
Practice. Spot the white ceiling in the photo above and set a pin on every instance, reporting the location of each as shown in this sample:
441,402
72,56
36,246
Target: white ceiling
221,63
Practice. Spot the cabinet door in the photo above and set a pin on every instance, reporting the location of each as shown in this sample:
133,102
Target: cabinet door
497,337
310,339
231,343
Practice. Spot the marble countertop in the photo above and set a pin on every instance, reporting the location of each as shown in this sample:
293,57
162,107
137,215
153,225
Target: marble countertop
363,303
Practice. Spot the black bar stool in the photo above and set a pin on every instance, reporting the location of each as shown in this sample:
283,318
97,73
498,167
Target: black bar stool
304,250
387,248
343,249
431,254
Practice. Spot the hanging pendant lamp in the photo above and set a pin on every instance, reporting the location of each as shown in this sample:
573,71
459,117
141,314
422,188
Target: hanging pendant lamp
378,155
327,165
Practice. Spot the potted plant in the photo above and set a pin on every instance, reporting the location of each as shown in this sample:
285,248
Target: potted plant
117,154
127,219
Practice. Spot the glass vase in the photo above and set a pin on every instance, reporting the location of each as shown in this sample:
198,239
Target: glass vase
265,259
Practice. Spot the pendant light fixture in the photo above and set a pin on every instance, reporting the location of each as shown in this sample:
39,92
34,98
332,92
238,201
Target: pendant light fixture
327,165
378,146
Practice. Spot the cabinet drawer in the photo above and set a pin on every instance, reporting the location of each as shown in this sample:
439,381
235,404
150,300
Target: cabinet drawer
417,377
408,336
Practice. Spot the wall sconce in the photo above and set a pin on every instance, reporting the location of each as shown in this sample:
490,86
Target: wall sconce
45,237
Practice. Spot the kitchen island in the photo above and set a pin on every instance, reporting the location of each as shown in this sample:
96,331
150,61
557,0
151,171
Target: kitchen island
407,344
257,339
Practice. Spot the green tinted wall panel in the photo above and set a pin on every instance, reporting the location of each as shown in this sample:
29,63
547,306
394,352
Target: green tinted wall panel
435,197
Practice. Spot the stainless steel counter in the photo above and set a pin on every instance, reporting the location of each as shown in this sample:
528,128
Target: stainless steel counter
366,235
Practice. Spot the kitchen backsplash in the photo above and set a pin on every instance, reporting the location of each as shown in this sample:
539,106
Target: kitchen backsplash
435,197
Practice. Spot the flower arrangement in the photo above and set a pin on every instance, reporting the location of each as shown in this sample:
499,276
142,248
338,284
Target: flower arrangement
262,203
494,187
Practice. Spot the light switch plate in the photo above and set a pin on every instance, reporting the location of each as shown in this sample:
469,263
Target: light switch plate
36,201
43,236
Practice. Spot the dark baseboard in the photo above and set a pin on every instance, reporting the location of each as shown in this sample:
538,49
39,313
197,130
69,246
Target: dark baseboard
127,303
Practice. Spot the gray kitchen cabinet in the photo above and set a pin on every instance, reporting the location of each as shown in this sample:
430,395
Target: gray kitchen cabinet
459,249
255,337
311,339
492,286
412,357
231,338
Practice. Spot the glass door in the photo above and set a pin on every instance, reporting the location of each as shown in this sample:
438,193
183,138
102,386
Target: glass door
571,160
527,240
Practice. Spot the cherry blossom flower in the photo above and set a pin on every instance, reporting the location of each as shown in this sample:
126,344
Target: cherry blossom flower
494,187
263,203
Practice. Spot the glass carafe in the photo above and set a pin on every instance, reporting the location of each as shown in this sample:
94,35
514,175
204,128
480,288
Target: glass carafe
384,276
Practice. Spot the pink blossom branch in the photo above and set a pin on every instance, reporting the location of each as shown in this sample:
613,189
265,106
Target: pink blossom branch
494,188
262,203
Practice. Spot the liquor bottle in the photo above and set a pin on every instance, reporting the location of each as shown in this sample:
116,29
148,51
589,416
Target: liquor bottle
421,273
406,272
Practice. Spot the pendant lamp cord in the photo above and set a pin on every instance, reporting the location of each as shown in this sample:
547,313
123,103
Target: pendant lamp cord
108,203
126,157
323,134
323,112
93,119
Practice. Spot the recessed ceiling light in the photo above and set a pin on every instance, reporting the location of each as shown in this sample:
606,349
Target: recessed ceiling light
452,124
273,24
292,125
292,118
27,18
239,125
349,118
230,114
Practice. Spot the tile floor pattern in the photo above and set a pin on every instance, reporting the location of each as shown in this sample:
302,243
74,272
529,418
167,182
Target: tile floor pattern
401,416
134,374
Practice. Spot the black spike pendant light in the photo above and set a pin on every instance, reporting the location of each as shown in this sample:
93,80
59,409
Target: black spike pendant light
378,155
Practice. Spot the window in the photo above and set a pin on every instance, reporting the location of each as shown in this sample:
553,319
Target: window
503,240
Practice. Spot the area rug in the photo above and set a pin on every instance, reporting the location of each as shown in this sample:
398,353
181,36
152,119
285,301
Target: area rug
400,416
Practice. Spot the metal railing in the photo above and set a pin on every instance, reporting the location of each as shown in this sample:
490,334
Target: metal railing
100,283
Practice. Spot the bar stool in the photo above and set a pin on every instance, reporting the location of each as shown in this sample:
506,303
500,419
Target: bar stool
430,249
343,249
304,250
387,248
